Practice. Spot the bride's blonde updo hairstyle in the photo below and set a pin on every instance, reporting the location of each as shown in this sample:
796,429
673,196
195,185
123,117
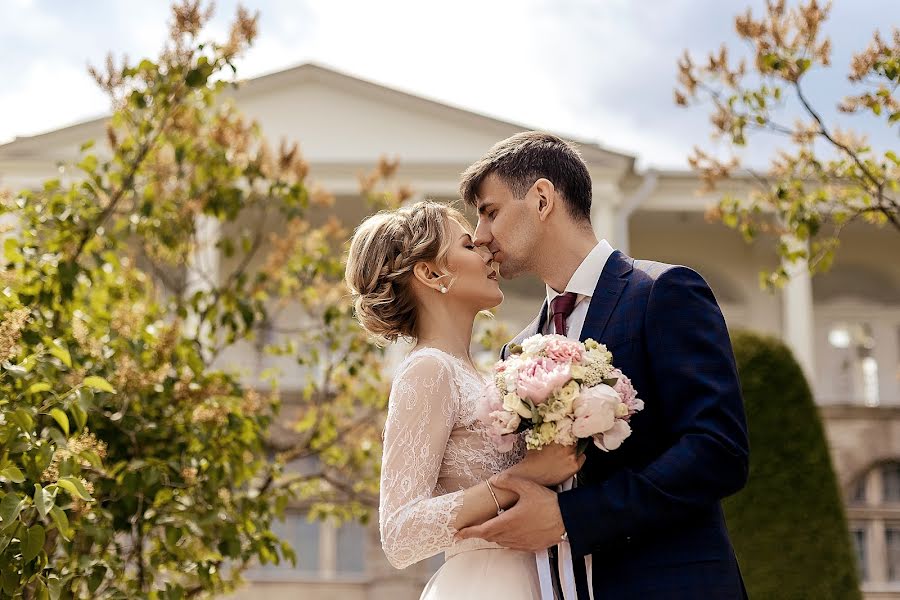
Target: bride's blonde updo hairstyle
384,249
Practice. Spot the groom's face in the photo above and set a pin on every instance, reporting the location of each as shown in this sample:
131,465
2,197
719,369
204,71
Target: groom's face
504,227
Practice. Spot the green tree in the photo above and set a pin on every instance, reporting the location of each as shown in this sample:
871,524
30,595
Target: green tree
787,525
828,176
130,464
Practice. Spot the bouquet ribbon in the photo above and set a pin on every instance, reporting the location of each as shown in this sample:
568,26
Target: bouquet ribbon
566,571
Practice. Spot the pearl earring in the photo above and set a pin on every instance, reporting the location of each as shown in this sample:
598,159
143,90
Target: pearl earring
443,289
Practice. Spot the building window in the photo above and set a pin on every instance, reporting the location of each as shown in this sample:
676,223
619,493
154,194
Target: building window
892,541
351,548
858,493
890,483
873,508
860,545
853,348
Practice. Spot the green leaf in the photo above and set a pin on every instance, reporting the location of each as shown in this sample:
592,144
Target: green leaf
41,592
43,500
88,164
32,542
582,446
99,384
74,486
23,419
96,578
9,581
12,474
62,522
60,417
79,414
195,78
54,586
41,386
10,507
59,350
894,117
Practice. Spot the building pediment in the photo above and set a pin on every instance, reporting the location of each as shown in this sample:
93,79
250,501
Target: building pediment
338,119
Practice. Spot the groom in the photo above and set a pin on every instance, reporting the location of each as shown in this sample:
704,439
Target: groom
649,514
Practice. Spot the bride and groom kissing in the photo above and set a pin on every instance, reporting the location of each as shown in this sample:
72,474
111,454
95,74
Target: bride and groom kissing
643,521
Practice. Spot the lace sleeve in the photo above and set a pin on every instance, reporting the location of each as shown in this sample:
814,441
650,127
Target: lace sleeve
415,523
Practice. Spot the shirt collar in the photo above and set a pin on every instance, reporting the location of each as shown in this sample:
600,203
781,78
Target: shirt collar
584,279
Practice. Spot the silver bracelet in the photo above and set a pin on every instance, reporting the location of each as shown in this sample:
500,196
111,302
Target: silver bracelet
494,496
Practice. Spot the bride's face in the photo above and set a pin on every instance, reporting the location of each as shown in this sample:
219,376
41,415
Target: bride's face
473,280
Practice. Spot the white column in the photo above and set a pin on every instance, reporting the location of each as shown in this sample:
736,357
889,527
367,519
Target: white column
621,238
202,264
887,355
797,314
606,196
328,550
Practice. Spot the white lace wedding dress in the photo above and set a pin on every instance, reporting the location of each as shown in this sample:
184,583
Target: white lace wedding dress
434,448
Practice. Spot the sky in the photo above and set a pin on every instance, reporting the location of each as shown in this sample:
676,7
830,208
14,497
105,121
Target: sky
601,70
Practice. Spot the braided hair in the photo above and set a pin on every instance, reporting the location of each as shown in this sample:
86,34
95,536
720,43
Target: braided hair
383,252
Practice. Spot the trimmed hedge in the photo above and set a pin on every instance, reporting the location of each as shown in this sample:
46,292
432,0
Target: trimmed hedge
787,525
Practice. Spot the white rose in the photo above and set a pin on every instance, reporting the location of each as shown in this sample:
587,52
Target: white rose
513,403
554,411
533,344
568,392
564,435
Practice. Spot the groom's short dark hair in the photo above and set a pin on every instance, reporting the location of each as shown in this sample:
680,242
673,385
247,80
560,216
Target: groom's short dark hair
524,158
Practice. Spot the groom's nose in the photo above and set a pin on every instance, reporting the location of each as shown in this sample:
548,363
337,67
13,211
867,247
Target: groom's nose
482,234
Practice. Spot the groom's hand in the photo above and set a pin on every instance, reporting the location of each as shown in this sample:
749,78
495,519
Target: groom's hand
533,523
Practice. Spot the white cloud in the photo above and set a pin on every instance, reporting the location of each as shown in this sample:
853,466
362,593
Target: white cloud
597,70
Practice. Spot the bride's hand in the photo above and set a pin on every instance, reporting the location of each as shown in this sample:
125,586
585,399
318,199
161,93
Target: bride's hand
551,465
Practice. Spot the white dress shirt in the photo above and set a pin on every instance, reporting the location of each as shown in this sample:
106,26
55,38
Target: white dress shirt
583,283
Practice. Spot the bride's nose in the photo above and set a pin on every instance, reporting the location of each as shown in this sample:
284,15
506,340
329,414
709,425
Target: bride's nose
486,255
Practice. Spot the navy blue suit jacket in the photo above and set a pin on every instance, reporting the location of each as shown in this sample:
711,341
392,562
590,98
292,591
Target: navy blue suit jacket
650,512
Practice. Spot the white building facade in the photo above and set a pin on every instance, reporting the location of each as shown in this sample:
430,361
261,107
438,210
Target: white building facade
844,326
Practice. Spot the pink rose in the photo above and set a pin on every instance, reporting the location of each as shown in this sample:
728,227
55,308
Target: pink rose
563,350
595,410
629,395
539,377
503,443
613,437
490,401
505,422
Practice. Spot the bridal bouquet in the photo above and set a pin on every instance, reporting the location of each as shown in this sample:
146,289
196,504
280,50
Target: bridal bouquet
559,390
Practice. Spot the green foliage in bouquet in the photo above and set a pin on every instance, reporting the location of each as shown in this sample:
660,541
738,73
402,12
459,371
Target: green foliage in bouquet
788,525
131,466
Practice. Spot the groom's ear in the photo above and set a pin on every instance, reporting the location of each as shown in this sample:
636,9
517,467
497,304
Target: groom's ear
546,197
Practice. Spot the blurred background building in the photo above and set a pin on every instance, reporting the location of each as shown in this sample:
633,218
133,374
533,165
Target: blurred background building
843,326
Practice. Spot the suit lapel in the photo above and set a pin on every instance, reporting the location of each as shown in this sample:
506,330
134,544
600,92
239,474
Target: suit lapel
609,288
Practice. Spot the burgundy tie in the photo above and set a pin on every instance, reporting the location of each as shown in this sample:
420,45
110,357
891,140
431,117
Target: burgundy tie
562,307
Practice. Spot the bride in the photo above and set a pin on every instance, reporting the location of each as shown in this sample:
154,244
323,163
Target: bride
416,274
